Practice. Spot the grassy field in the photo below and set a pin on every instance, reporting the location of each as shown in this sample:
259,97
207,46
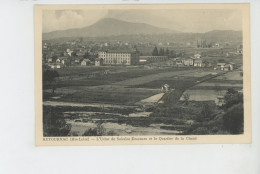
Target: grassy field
129,85
215,87
111,94
113,88
92,76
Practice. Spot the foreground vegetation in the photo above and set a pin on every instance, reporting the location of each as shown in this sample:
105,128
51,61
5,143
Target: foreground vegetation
193,118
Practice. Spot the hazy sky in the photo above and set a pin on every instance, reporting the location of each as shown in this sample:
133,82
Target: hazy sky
181,20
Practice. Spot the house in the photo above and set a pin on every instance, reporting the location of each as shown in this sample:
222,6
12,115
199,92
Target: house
239,51
220,101
99,62
197,63
220,66
69,53
49,59
188,62
165,88
55,65
142,61
58,60
85,62
228,67
233,65
64,61
77,60
58,66
179,62
197,56
45,46
52,66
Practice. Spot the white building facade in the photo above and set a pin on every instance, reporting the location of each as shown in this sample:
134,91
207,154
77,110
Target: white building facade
119,57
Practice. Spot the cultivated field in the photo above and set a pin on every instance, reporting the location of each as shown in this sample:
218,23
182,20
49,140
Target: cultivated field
215,87
122,85
117,86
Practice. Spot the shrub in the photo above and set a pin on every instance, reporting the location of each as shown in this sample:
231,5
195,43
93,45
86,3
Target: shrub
112,133
234,119
205,112
98,131
215,129
186,98
232,97
54,124
90,132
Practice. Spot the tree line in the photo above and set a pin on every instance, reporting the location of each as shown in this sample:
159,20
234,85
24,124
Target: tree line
164,52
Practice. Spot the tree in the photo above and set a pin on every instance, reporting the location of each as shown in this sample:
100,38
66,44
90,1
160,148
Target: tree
200,131
186,98
167,52
54,58
234,116
172,53
155,52
54,124
86,55
232,97
234,119
98,131
161,52
49,79
221,60
205,112
73,54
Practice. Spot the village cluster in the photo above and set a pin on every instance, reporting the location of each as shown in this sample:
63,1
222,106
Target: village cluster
56,59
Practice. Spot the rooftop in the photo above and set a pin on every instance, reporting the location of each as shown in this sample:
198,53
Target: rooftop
119,51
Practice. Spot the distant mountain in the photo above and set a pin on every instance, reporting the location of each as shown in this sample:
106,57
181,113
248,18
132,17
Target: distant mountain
108,27
223,35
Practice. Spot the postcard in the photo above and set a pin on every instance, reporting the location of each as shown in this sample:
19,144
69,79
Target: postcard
142,74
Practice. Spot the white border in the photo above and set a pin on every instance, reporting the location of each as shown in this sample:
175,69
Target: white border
19,155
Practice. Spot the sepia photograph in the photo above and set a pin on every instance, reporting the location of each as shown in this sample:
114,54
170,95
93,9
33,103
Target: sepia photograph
133,72
130,87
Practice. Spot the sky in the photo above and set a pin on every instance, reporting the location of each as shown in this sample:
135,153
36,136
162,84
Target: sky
196,21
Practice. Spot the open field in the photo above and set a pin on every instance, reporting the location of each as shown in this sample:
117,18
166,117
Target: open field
109,88
210,84
235,75
151,78
215,87
110,94
180,80
203,94
125,86
93,76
